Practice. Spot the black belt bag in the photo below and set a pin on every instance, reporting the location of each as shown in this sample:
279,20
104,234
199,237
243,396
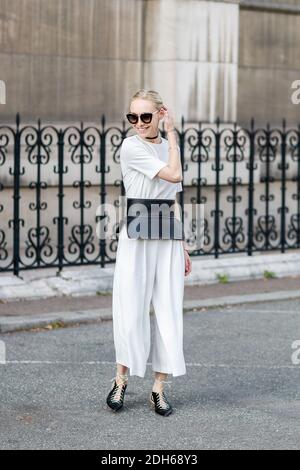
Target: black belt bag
153,219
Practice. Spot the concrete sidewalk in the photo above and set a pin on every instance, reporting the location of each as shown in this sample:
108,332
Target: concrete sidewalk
91,280
58,311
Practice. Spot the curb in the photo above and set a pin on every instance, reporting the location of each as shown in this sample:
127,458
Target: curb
63,319
84,281
59,319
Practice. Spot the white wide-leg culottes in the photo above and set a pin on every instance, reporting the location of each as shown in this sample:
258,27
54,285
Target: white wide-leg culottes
148,270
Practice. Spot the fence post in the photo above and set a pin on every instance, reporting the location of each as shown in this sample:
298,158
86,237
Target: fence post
60,220
217,211
283,166
102,184
182,157
16,198
251,167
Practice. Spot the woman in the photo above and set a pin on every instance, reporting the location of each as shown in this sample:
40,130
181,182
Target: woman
146,269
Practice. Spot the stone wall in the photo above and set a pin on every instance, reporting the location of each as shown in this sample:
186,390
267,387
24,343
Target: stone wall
71,60
269,61
74,60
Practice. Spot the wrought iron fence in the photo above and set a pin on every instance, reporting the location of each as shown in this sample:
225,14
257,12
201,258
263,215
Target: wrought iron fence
52,179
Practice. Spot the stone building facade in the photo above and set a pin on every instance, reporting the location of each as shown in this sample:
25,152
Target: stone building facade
71,60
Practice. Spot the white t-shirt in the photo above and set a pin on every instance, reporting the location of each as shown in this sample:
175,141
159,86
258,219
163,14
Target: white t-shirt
140,162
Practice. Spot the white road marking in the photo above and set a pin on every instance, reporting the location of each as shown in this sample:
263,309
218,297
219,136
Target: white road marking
263,311
188,364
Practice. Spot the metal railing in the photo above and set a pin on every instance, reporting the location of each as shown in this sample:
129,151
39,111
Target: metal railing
51,180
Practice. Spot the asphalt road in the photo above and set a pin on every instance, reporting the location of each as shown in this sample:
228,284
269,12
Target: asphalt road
241,390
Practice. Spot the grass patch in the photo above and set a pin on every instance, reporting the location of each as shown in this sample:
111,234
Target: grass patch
55,325
223,278
269,275
99,292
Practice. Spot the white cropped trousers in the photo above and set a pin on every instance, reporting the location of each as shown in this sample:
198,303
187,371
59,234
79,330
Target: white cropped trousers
148,270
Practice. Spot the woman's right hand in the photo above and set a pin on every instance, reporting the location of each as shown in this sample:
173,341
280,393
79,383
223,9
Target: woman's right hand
187,263
168,120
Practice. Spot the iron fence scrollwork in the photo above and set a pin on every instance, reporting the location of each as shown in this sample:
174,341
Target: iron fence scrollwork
52,179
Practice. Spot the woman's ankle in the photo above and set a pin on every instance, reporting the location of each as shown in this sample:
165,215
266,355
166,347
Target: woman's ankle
121,379
158,385
121,374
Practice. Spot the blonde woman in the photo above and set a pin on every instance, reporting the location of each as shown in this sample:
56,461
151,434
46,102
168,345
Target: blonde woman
148,270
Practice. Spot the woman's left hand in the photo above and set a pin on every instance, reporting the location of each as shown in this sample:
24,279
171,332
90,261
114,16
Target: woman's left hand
188,263
168,119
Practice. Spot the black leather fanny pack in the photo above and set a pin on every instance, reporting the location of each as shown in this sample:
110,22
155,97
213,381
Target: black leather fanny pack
153,219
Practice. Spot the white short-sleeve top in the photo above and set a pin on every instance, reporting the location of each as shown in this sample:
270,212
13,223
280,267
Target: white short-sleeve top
140,162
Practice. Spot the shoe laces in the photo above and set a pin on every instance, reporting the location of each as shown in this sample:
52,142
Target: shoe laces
116,396
162,400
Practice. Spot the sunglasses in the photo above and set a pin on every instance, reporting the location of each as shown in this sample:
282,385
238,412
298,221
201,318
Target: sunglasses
146,118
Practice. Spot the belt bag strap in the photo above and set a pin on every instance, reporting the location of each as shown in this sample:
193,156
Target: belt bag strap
153,219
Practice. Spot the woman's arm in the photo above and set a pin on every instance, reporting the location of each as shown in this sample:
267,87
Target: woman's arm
184,245
172,171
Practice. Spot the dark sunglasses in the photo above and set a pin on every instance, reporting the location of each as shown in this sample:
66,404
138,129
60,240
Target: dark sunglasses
146,118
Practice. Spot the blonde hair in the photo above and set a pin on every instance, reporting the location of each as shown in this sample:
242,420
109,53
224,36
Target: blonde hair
150,95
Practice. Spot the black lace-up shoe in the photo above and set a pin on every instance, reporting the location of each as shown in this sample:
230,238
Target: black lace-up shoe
160,403
115,398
